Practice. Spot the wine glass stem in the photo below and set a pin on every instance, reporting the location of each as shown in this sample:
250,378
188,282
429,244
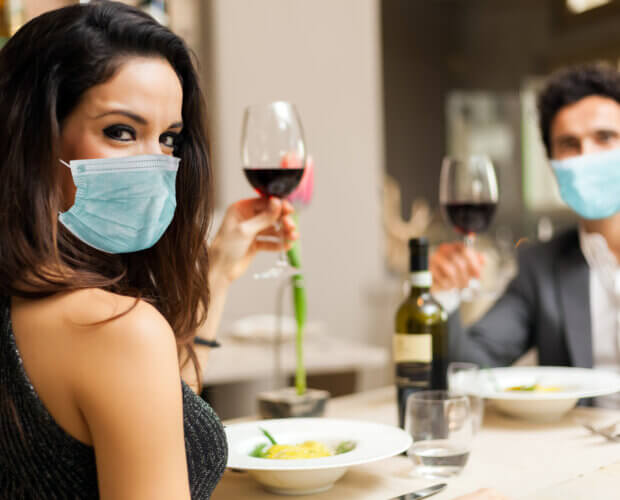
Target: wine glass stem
473,287
282,260
470,239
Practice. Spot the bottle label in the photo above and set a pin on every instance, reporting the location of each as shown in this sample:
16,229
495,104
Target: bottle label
413,348
421,279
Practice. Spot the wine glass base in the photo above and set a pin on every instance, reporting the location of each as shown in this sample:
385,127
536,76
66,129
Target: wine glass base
279,271
272,273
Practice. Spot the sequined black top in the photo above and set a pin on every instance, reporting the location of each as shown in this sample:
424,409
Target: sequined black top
42,461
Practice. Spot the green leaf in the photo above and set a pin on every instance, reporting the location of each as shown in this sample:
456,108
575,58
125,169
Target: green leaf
345,447
259,451
268,436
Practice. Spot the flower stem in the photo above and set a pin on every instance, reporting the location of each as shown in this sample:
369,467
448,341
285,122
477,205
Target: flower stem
299,300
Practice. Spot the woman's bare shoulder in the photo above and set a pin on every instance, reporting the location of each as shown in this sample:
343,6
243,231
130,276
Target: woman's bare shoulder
99,329
127,385
92,306
89,349
104,324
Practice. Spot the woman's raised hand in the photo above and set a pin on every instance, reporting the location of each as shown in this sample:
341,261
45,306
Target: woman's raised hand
248,227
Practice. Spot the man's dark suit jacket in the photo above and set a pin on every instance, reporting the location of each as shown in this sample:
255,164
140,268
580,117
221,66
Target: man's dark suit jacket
547,305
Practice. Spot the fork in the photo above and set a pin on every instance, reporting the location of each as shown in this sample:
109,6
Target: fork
605,431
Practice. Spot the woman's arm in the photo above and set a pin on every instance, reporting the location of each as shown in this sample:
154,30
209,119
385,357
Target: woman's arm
237,241
128,388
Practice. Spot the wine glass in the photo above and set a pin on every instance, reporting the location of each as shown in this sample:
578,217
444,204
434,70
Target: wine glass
273,156
468,194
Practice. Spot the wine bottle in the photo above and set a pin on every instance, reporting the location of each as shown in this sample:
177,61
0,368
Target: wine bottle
420,343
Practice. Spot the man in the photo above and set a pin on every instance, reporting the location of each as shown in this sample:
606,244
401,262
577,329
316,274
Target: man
565,299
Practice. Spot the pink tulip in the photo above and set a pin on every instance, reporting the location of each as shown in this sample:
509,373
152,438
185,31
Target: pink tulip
303,193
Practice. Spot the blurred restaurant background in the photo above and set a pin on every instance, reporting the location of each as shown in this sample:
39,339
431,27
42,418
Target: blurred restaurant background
385,89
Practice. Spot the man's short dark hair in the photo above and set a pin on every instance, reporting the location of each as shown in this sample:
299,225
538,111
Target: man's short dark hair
571,85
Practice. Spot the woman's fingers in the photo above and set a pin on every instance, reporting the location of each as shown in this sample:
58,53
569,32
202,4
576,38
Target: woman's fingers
272,245
281,233
263,219
287,207
263,222
288,224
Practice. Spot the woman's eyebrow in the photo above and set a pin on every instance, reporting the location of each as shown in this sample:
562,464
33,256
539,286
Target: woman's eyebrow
128,114
137,118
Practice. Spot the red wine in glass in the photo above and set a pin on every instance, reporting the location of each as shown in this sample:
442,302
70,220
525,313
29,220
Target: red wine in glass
277,181
469,218
468,194
273,154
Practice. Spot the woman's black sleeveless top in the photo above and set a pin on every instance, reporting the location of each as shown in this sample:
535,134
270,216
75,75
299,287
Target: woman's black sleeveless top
39,460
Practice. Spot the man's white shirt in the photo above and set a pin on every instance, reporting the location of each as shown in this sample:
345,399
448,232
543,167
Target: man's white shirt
604,307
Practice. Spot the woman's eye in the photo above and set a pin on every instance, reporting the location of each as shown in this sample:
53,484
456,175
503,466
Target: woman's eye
606,136
120,133
169,139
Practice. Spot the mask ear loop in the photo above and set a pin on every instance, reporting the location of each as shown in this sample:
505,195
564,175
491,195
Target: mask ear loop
66,165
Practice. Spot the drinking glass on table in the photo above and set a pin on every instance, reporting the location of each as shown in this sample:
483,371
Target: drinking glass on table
273,156
468,194
441,427
462,379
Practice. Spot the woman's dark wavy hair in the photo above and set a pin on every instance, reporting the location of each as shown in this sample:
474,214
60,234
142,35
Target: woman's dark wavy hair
45,68
571,85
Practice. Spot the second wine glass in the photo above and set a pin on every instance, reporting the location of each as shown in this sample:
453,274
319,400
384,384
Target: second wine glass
273,156
468,194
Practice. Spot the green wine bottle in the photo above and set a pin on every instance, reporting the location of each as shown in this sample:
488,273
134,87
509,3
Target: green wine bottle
420,342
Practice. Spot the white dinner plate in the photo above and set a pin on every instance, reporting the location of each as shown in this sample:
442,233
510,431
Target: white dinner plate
573,384
264,328
305,476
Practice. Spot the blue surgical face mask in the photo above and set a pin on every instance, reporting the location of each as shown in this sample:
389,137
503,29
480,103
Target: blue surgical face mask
122,204
590,184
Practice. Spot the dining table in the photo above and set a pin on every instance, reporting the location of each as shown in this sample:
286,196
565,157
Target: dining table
559,460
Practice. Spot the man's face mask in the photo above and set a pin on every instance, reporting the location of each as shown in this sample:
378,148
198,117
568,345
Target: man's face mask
590,184
122,205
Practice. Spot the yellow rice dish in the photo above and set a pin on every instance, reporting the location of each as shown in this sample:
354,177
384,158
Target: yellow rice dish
535,388
308,449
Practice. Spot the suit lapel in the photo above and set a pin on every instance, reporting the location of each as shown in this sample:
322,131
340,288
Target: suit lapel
574,292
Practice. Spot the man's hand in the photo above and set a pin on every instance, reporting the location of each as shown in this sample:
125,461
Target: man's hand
453,265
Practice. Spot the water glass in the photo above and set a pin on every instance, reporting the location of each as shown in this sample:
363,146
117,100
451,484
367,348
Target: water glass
440,425
463,378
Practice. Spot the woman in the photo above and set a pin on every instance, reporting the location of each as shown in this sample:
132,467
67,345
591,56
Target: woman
103,286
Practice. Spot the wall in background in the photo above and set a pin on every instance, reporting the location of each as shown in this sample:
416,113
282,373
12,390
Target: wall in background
325,57
413,51
474,45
